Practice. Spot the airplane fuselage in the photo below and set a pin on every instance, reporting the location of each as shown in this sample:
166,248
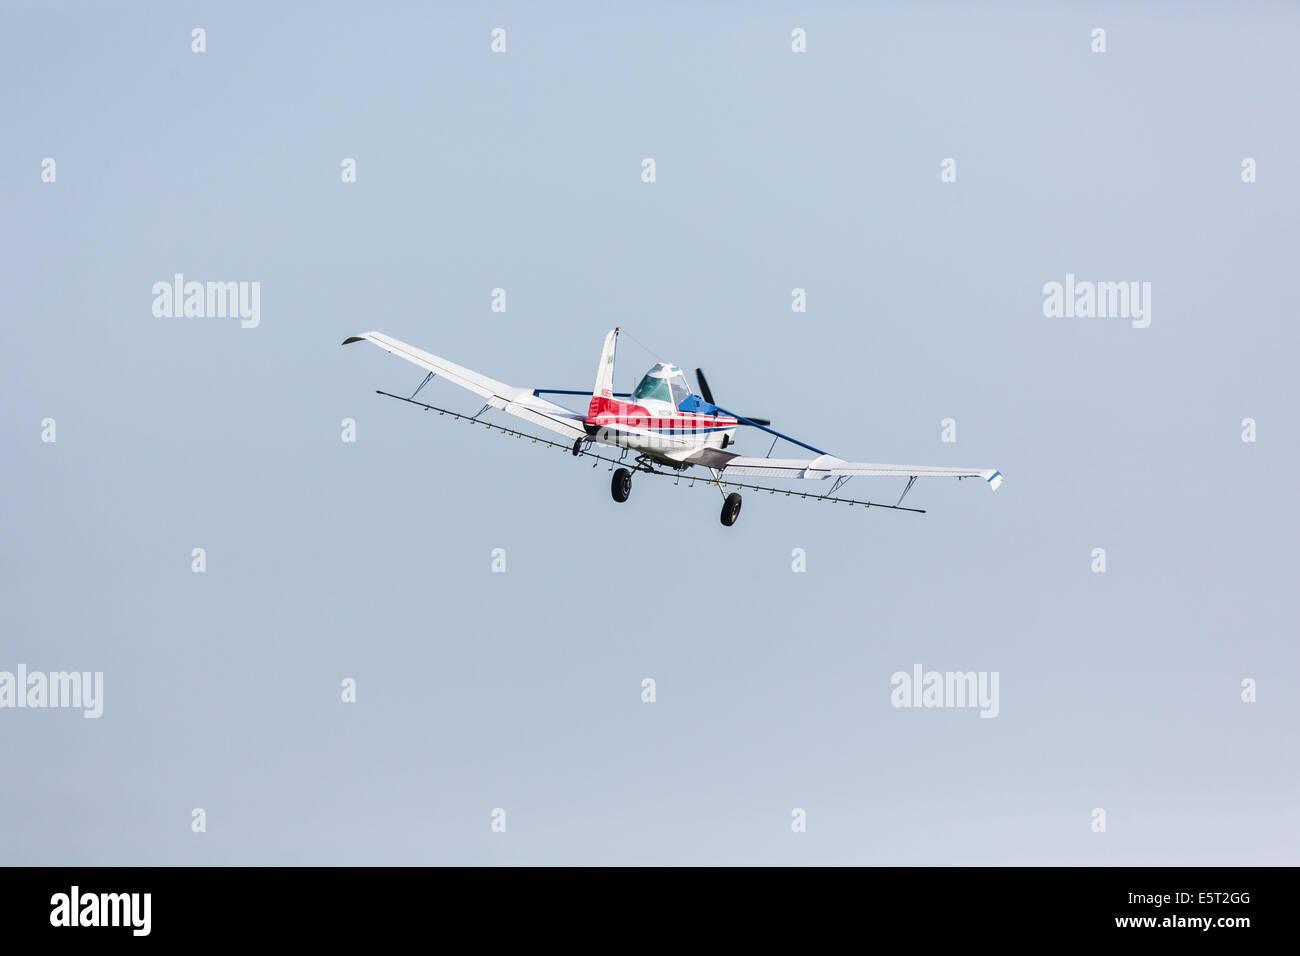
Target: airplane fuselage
657,430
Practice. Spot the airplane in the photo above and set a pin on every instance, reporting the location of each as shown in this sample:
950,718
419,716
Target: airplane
666,426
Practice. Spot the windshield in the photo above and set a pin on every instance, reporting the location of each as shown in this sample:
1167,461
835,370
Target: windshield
680,389
653,388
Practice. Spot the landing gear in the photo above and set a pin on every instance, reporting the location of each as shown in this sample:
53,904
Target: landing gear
621,486
577,447
731,509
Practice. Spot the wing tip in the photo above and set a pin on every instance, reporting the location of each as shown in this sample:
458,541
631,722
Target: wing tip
995,480
354,338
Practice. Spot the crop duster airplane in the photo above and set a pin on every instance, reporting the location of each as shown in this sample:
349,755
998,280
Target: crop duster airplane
666,427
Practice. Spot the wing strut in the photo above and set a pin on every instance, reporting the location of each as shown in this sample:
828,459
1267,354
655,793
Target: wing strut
426,381
910,482
771,431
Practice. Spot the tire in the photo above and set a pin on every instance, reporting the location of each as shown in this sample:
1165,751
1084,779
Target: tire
731,509
621,485
577,447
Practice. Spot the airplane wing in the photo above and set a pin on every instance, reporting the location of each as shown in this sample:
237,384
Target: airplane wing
828,466
520,402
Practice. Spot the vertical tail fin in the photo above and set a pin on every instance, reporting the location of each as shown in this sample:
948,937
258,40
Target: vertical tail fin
602,393
604,387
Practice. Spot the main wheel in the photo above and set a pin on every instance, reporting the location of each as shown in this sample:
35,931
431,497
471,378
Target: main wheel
731,509
621,486
577,447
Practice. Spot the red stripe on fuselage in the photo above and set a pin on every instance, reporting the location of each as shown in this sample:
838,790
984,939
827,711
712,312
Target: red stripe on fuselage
611,413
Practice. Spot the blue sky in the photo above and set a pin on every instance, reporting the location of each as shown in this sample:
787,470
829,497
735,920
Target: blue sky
774,170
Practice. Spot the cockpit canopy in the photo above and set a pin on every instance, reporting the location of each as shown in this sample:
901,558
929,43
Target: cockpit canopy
663,383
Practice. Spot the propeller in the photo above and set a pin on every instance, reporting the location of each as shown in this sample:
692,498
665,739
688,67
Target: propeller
708,397
704,386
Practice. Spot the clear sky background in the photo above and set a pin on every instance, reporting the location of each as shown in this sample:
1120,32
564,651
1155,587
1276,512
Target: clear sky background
522,690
